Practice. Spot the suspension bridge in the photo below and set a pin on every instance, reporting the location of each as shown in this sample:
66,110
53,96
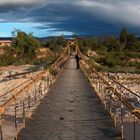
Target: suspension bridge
65,103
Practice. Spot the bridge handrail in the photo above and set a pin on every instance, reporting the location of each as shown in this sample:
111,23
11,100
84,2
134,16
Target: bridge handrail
85,58
128,104
36,78
134,110
117,82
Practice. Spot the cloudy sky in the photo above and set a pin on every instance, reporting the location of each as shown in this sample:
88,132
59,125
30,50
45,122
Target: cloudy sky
56,17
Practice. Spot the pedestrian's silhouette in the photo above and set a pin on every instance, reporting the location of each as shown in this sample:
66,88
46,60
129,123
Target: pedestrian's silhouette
77,60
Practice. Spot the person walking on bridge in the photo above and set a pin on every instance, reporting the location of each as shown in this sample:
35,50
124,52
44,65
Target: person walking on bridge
77,57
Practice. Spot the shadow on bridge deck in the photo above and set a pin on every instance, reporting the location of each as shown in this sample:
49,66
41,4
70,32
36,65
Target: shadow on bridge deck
70,111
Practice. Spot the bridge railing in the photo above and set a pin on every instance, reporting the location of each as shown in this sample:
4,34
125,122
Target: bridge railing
122,103
18,104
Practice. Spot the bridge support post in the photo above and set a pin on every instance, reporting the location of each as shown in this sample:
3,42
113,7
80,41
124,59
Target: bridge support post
110,106
51,78
40,89
115,119
23,105
134,127
104,99
29,102
96,83
16,123
114,115
29,106
35,91
99,87
122,125
45,86
103,86
1,134
48,81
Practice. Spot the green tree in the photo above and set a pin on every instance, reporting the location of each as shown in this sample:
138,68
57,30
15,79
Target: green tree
26,45
112,43
131,42
61,41
123,38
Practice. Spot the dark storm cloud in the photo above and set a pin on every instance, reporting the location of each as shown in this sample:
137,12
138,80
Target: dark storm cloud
77,16
71,18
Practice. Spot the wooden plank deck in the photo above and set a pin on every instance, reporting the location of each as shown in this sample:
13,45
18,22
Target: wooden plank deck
70,111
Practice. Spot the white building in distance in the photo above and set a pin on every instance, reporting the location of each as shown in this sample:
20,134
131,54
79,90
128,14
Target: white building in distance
5,43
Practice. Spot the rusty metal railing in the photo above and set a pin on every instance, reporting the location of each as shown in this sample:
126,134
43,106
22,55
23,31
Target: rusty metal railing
122,103
18,104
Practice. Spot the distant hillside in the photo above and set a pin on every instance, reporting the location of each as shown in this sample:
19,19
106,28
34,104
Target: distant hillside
6,38
44,39
138,38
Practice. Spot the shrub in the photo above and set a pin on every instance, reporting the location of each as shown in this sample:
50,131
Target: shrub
53,71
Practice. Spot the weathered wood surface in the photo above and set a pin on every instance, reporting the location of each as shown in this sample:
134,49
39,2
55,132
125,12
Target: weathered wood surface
70,111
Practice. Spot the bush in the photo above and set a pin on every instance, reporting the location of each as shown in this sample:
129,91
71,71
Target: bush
111,60
101,48
6,59
53,71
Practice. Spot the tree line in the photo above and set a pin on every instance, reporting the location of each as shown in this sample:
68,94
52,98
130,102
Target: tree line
112,52
25,49
115,53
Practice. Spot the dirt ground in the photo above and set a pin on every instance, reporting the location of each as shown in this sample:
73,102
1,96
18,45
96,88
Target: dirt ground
16,68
